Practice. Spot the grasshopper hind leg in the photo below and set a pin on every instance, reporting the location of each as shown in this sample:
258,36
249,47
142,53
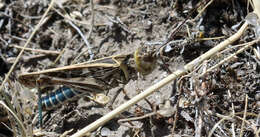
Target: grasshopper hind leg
40,109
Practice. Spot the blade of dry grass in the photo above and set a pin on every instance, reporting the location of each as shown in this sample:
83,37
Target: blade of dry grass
203,9
37,50
256,4
215,126
231,117
20,123
246,46
244,117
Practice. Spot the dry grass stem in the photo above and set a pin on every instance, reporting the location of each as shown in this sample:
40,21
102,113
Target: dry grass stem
203,9
92,18
137,118
244,117
215,126
37,50
248,45
256,4
20,123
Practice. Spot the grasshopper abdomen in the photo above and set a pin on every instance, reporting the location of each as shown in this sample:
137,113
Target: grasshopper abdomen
59,97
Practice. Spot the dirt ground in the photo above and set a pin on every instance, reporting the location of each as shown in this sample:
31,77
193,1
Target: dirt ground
221,102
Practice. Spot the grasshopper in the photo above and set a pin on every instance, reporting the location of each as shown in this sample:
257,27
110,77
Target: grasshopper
92,77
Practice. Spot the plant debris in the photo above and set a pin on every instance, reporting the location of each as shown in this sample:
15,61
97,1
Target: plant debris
222,102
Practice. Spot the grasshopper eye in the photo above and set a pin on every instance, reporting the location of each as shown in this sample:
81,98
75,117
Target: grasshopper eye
145,60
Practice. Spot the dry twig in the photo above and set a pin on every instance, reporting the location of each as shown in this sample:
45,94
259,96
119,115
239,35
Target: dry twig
37,50
20,123
248,45
244,117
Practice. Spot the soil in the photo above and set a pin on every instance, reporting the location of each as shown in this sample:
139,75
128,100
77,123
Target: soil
192,105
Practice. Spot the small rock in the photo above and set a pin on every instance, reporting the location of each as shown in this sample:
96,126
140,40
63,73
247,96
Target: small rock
105,131
257,96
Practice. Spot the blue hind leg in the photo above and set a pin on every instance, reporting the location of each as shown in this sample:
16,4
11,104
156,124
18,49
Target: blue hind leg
40,108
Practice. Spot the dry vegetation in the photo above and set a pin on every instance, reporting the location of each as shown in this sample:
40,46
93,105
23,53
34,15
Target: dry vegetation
206,82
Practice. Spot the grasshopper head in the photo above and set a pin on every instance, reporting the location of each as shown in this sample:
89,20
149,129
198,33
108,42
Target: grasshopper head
145,60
